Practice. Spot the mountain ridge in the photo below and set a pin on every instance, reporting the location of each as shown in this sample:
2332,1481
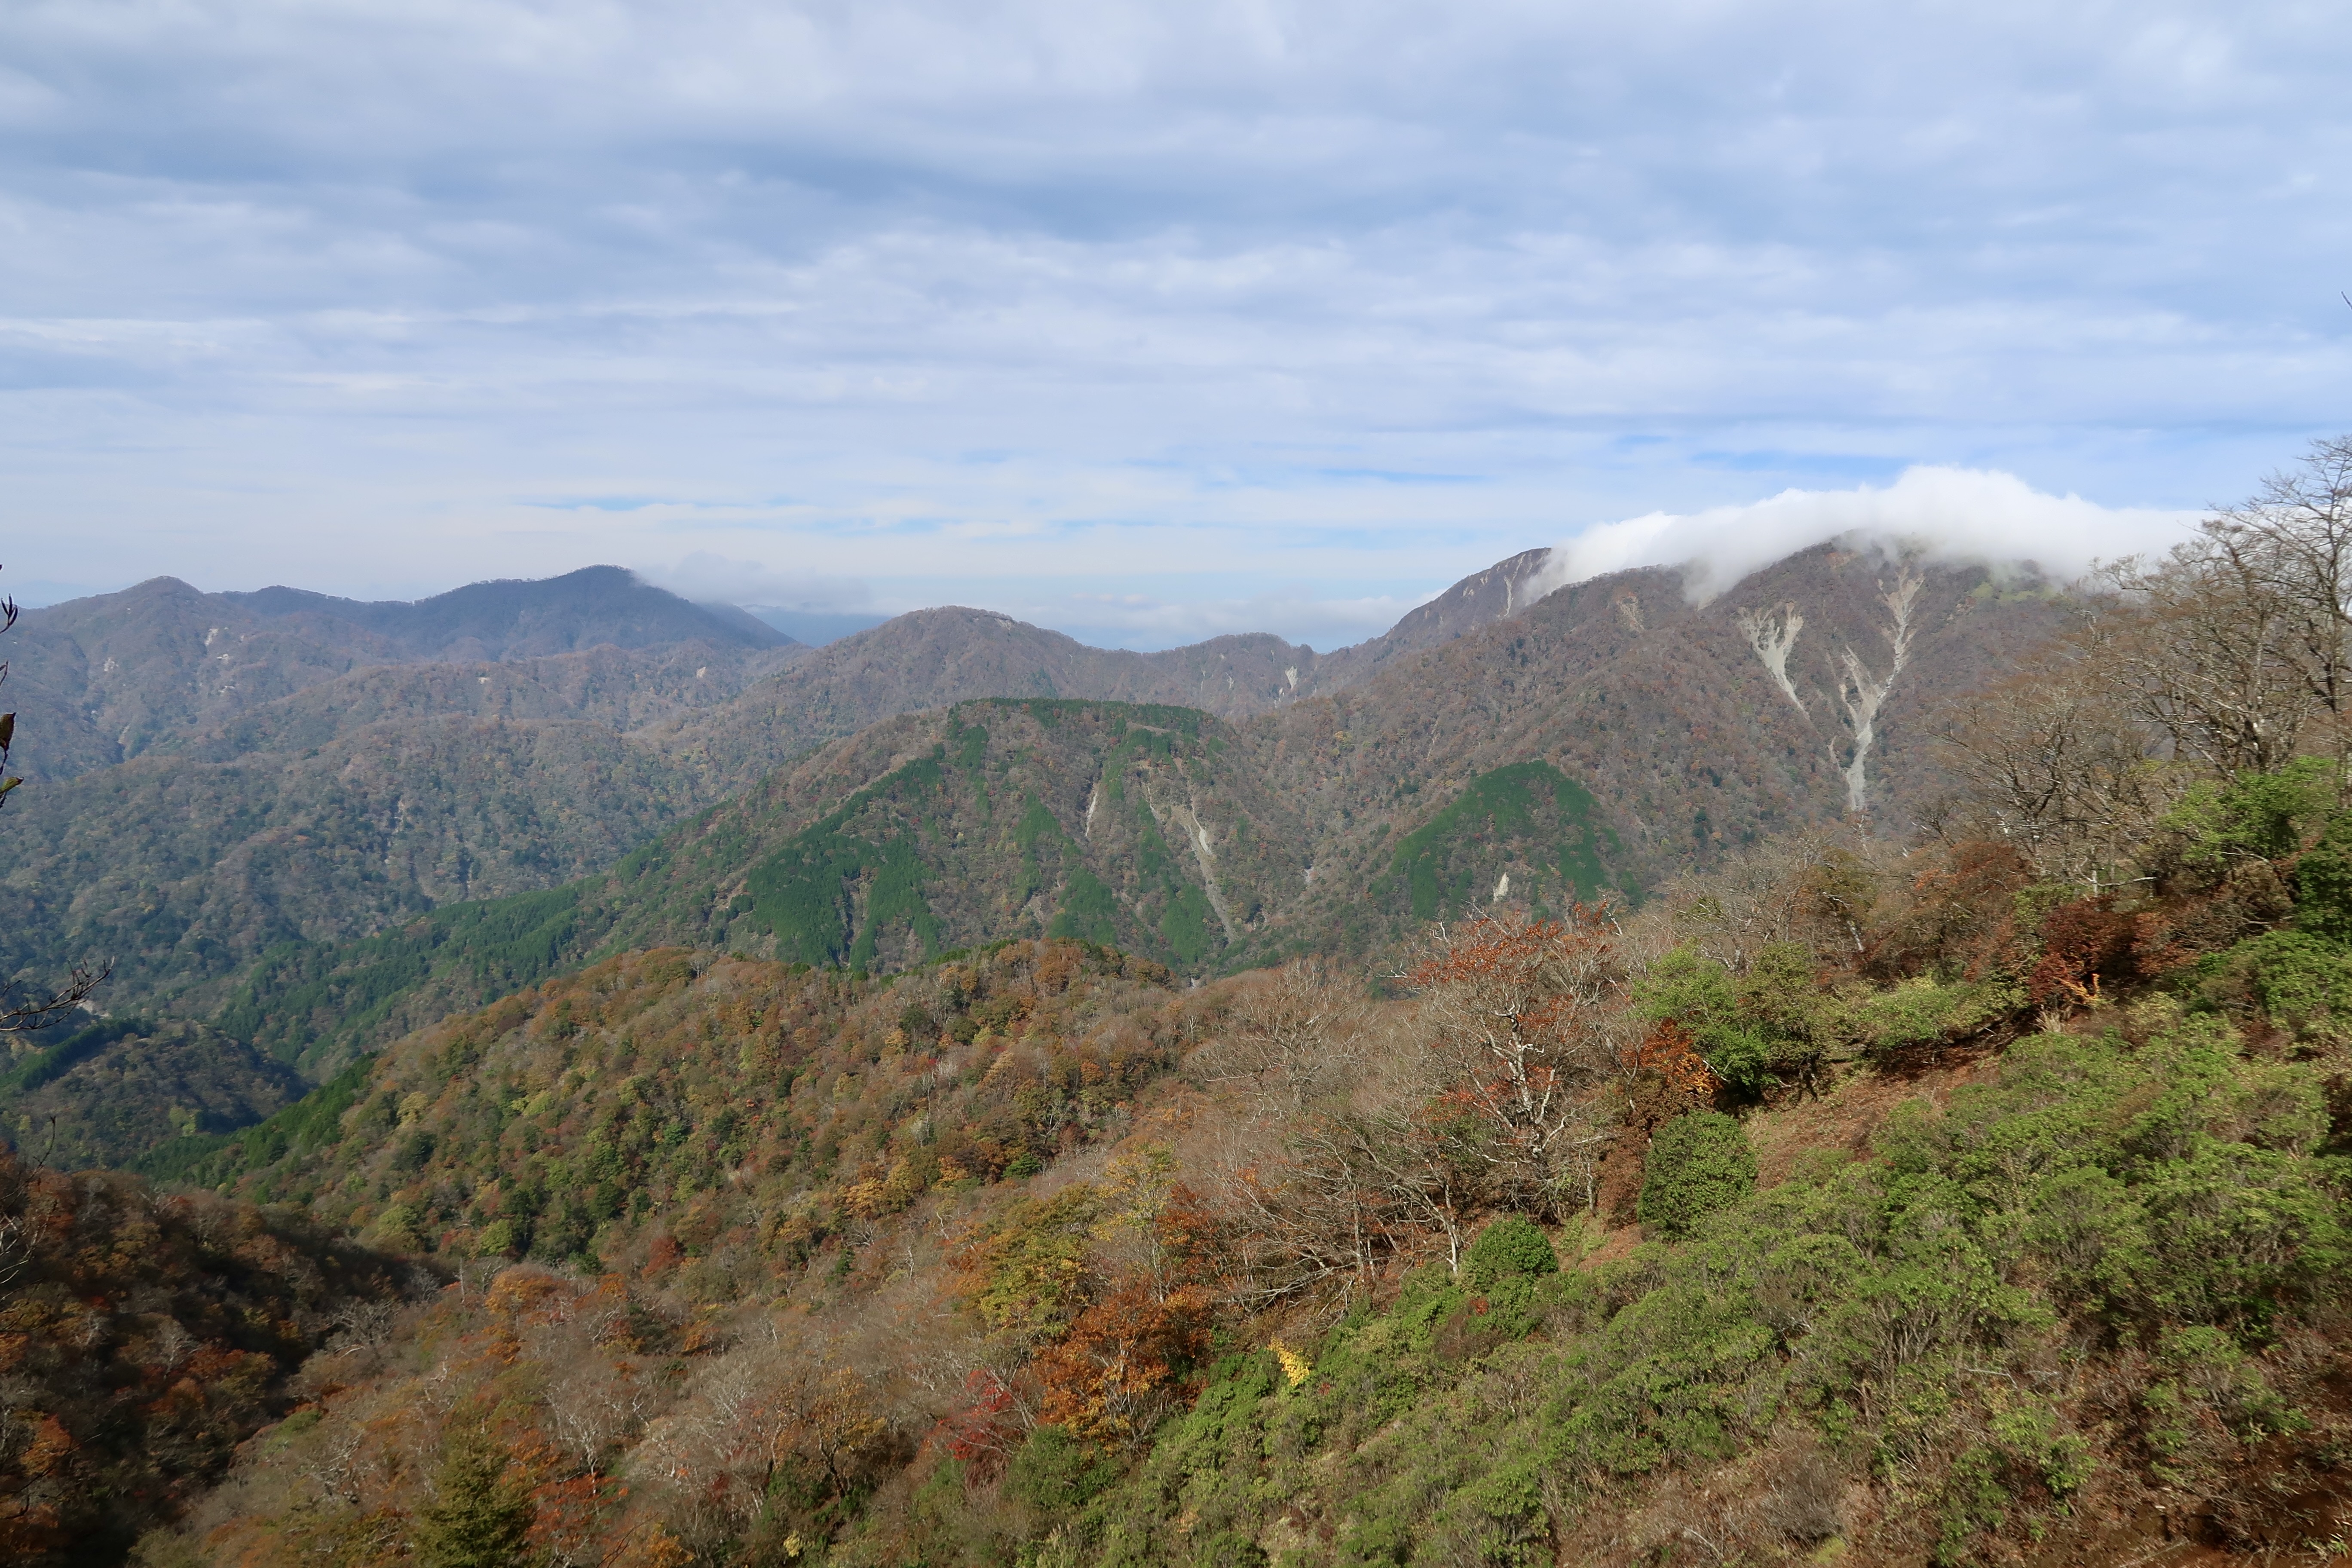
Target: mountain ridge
101,680
1520,767
1598,740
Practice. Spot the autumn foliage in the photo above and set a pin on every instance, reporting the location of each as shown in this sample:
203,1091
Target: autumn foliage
142,1338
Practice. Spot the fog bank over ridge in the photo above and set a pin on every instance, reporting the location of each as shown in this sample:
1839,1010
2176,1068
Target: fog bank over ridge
1955,515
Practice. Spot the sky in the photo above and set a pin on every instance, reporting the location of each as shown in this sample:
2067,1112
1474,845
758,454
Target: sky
1144,321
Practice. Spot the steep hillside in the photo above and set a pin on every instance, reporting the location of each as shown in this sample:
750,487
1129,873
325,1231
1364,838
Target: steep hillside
1508,589
142,1339
696,1133
1604,740
1836,1193
933,832
589,1115
108,1092
348,796
1599,742
2026,1245
182,870
1664,711
353,799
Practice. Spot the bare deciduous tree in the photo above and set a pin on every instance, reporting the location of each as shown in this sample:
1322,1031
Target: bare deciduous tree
1814,887
2232,644
1297,1035
2050,764
1521,1022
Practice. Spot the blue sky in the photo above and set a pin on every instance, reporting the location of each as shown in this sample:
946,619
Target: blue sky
1145,320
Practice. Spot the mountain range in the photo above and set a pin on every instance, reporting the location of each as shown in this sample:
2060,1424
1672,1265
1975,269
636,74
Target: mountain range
714,1100
308,849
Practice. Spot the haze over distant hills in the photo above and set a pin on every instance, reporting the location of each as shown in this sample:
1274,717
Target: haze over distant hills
813,627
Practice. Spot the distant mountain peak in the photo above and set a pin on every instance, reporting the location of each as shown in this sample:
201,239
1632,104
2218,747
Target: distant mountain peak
519,618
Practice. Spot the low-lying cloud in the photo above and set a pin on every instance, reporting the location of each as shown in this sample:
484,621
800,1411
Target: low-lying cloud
1958,515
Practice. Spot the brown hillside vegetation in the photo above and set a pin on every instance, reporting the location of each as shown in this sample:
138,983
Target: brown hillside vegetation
950,1303
142,1338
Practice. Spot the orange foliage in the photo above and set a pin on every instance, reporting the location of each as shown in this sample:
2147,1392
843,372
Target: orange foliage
1524,963
51,1445
2081,941
1672,1052
650,1546
1131,1352
121,1414
1125,1361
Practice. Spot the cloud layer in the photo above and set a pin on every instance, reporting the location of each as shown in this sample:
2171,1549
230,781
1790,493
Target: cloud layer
1030,303
1944,514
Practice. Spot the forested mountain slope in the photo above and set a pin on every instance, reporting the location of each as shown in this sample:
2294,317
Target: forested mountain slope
181,871
144,1337
1970,1195
1605,739
320,903
304,768
2017,1236
929,833
104,1092
1692,739
300,767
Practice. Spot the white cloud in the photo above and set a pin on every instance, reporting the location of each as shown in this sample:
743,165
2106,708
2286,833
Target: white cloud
1945,514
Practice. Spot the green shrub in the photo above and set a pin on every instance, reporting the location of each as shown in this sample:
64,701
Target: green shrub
1698,993
1054,1473
2302,982
1228,1548
1697,1163
2151,1180
481,1511
1922,1013
1769,1025
1510,1249
2323,885
1376,1542
2255,815
1974,1500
